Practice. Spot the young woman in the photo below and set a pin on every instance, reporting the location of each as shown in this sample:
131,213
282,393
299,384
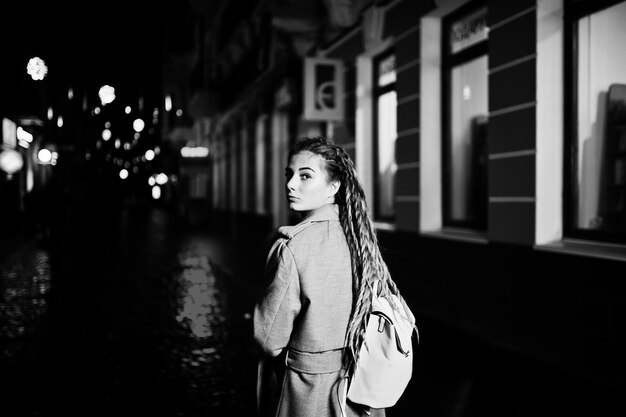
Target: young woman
310,321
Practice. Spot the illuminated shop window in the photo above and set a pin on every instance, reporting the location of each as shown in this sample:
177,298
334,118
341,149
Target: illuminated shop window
595,205
385,134
465,109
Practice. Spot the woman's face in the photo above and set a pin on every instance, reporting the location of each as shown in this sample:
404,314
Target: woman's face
306,184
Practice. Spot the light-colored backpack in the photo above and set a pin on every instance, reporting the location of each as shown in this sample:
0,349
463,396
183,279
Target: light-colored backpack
385,363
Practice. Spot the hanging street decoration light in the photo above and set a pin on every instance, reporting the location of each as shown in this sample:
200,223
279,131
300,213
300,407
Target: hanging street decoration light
36,68
138,125
106,94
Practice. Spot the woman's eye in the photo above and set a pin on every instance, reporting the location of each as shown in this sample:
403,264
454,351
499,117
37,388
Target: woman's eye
305,176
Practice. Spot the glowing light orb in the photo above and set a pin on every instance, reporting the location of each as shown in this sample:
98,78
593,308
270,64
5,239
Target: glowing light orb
36,68
161,179
194,152
156,192
106,94
11,161
44,155
138,125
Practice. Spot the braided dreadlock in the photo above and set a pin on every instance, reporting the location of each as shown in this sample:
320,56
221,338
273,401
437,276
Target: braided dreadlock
368,264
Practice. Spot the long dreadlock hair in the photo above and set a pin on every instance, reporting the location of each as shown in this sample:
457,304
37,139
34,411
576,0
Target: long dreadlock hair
367,262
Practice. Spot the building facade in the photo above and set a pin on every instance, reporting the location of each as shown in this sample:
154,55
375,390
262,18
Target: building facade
489,137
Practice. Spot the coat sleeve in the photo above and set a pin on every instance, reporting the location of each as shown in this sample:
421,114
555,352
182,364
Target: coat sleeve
276,311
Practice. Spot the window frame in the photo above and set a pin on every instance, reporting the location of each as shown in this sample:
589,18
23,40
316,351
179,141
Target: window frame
574,10
376,93
449,60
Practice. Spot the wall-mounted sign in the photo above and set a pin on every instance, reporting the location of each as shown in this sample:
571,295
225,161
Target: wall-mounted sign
194,152
323,89
469,30
9,133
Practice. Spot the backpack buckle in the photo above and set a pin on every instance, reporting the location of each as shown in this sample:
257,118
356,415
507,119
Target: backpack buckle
381,324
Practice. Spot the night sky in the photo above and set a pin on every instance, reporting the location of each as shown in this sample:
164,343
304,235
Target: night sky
89,44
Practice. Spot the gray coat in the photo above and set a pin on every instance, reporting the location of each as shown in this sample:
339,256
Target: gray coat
300,322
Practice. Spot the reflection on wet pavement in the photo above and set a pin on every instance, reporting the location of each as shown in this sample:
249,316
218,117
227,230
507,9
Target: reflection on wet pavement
24,283
199,306
131,319
206,317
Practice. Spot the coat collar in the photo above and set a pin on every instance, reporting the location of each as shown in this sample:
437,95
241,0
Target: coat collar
328,212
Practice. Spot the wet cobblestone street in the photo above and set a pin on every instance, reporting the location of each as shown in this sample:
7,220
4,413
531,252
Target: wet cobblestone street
123,316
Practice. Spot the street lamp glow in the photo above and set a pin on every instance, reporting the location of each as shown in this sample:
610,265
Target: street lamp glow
106,135
24,135
138,125
44,155
156,192
161,179
194,152
149,155
36,68
123,174
11,161
24,138
106,94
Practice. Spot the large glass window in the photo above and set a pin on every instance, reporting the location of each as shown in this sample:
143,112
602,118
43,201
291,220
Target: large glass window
385,134
596,155
465,109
